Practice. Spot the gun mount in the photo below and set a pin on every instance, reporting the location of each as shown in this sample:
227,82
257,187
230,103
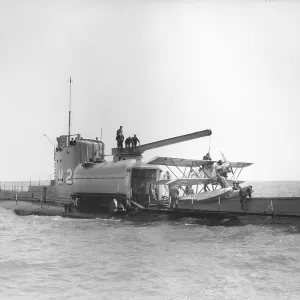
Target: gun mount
139,150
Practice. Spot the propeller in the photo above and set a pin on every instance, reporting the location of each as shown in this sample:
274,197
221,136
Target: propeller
228,162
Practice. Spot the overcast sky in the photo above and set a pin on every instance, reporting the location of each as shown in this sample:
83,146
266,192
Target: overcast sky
160,69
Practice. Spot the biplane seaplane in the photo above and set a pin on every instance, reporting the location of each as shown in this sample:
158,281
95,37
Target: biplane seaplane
204,185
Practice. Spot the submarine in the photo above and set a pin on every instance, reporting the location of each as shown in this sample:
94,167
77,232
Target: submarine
88,186
86,181
85,185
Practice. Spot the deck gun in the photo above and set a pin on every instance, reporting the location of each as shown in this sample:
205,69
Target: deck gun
133,152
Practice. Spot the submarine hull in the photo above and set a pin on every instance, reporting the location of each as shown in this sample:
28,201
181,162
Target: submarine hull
208,218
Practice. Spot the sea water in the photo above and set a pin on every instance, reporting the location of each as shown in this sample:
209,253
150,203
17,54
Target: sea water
60,258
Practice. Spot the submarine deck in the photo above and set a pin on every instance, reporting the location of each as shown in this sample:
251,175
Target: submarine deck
33,207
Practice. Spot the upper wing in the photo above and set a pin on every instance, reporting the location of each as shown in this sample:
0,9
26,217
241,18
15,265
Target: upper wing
182,162
179,162
240,164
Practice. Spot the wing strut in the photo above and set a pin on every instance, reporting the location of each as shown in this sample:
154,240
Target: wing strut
177,168
240,172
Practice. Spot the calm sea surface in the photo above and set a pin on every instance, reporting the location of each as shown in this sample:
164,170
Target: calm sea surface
58,258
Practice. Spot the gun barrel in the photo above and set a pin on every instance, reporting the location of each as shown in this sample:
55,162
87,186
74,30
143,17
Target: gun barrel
167,142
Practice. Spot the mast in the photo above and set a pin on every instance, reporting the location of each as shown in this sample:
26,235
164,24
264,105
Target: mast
70,97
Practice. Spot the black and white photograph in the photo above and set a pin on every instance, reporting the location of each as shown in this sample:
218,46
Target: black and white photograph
150,149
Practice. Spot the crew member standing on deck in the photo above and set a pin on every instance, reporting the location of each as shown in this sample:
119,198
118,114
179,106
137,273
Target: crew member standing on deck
128,142
174,193
135,140
120,138
243,193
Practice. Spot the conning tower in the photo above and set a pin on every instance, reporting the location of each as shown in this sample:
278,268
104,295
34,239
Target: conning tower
68,154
